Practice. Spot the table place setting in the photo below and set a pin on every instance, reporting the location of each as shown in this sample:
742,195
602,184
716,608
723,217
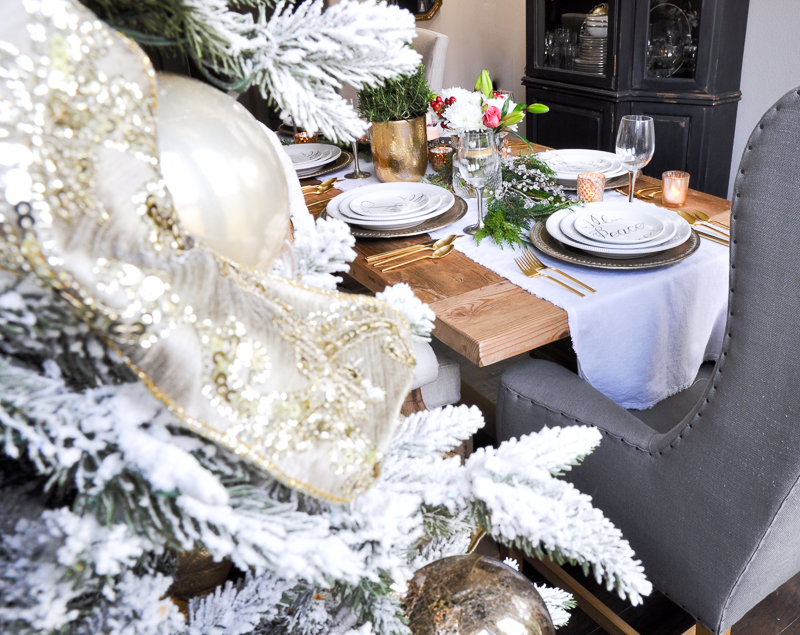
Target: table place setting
642,332
383,210
315,159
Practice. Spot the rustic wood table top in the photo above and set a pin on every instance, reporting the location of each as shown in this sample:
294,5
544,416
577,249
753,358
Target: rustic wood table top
480,314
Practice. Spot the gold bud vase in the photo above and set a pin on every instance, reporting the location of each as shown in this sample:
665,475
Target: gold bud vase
399,149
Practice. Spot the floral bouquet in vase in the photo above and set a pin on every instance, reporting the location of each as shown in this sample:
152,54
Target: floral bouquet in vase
458,110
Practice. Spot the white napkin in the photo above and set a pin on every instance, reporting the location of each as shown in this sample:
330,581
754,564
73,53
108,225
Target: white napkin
644,334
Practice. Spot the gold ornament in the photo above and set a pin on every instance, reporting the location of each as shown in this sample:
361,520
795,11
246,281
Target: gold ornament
474,595
305,384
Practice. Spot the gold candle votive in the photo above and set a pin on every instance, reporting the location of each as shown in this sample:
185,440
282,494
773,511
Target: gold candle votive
440,156
674,188
304,137
591,186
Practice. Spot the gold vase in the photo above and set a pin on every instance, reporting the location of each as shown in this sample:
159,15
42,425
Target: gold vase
399,149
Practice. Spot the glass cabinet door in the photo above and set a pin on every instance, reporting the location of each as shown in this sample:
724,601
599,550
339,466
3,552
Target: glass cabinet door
574,37
672,34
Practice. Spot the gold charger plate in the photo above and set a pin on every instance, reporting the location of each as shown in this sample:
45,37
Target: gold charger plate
343,160
545,243
455,213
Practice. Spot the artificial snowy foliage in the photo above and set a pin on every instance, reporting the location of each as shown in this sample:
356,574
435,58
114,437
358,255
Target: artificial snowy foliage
418,314
99,435
319,251
298,55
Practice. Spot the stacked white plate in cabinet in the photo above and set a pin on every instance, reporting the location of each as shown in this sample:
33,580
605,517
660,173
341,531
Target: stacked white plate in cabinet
387,206
308,158
619,229
568,164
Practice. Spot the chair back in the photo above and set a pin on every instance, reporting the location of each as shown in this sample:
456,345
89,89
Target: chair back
728,483
433,48
754,394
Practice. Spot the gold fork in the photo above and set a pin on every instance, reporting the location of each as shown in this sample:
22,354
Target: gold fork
529,255
533,272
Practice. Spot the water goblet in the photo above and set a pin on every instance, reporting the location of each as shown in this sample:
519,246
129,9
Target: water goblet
478,161
635,145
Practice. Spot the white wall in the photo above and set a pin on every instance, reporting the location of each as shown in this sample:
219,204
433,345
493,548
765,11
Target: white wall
486,34
771,65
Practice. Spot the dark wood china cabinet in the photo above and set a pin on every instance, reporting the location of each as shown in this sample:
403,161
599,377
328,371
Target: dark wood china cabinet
679,62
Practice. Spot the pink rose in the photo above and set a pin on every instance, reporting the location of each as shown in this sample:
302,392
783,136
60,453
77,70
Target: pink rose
491,118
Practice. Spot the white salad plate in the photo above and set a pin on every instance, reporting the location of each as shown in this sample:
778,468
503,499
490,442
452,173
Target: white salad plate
339,206
305,156
433,202
682,233
568,164
620,226
568,227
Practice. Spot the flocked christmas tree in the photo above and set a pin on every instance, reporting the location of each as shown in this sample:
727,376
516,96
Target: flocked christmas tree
103,486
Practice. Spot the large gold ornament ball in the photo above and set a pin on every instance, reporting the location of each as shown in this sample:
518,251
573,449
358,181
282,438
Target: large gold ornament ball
224,175
472,595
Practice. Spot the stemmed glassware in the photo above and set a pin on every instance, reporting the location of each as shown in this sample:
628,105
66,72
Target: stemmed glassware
478,161
357,172
636,142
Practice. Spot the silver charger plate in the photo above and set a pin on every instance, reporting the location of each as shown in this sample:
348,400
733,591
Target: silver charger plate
548,245
452,215
345,158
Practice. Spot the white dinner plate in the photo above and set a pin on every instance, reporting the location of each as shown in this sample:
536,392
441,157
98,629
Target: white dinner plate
683,231
620,226
568,164
340,204
567,226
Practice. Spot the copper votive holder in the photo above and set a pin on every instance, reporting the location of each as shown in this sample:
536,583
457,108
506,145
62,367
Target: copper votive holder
674,188
591,186
440,156
304,137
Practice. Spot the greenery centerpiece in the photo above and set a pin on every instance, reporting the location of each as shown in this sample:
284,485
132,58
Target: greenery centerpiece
398,138
528,192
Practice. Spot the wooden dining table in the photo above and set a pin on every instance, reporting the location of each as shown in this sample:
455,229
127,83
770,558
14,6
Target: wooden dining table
480,314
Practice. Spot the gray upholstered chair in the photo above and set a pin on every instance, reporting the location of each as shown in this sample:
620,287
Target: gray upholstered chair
433,48
707,488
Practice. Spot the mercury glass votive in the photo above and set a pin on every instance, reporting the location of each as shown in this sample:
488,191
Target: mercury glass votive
304,137
591,186
440,156
675,187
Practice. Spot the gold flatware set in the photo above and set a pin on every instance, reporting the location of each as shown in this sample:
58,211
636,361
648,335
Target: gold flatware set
645,193
378,260
704,227
532,267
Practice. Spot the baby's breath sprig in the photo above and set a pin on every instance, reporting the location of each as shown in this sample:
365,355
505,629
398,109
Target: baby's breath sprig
528,193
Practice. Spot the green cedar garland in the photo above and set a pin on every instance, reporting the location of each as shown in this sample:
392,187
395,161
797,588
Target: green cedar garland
528,193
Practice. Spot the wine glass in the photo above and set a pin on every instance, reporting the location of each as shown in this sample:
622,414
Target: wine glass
357,172
478,161
636,142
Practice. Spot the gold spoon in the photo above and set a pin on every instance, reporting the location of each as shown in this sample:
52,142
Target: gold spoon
318,189
382,259
439,253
